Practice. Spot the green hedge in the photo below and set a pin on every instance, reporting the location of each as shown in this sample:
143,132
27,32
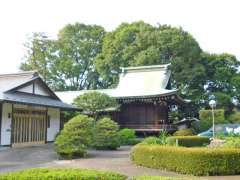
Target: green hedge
127,136
160,178
188,141
205,117
62,173
195,161
185,132
151,140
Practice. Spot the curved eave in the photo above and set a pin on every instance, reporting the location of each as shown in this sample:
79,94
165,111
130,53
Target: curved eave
148,96
171,97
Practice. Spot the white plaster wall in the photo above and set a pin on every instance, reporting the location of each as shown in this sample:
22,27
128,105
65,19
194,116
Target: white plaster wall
6,124
54,114
40,90
27,89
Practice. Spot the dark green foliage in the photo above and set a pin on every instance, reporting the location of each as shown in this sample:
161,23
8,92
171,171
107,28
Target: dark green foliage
94,102
86,57
188,141
70,114
221,78
62,174
75,137
224,101
205,117
195,125
185,132
139,43
234,117
195,161
106,134
151,140
127,136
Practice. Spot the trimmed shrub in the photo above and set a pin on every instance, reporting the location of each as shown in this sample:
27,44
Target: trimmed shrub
75,137
127,136
151,140
205,117
62,173
185,132
232,142
195,161
106,134
159,178
188,141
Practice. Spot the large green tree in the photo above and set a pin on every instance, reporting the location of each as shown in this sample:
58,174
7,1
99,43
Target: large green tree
139,43
37,53
85,57
68,60
221,79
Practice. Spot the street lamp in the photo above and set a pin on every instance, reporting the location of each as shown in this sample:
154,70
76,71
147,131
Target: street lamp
213,104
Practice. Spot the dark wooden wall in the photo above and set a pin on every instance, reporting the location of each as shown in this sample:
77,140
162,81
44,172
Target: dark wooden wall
141,114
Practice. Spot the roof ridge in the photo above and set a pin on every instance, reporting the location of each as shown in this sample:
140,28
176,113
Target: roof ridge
159,66
21,73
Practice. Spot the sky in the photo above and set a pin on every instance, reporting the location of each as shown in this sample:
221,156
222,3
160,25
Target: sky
215,24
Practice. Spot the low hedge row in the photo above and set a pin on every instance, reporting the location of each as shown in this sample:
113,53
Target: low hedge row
185,132
195,161
188,141
62,174
72,174
159,178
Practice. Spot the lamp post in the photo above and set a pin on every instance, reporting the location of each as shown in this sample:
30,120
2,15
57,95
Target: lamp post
213,104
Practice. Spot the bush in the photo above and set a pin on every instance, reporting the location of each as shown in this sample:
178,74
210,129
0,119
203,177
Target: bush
106,134
127,136
62,173
188,141
151,140
232,142
159,178
234,117
75,137
195,161
163,135
205,117
185,132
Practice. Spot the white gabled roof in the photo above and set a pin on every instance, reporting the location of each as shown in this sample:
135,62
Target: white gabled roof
12,84
143,80
9,81
133,82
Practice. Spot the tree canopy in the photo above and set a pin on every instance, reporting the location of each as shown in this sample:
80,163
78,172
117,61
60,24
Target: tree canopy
67,62
142,44
87,57
94,102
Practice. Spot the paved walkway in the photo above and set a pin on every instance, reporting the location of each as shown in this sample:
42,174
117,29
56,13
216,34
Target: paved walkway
12,159
44,156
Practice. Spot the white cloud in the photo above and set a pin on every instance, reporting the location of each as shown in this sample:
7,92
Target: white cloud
215,23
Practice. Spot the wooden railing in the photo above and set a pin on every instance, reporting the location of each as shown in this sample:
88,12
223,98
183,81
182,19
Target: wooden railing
150,127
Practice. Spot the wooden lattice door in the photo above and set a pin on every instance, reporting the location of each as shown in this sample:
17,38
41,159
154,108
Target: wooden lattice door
28,127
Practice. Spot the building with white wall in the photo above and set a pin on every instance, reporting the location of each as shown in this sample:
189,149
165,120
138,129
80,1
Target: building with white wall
29,110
